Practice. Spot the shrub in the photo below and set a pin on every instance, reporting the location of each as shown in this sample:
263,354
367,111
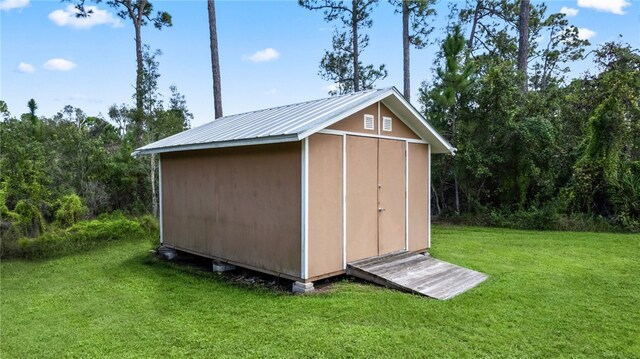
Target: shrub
29,219
71,210
85,234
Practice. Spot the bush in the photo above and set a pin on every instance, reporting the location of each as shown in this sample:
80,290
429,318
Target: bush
29,219
71,210
546,218
83,235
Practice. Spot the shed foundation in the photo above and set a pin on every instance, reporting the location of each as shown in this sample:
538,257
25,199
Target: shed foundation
300,287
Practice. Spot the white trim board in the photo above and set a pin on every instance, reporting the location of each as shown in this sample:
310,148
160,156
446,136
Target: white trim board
406,195
160,197
429,196
344,201
340,133
304,245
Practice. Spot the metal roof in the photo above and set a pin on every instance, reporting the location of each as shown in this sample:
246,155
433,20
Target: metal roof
294,123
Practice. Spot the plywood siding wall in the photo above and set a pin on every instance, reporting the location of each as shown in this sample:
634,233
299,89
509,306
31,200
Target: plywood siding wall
325,204
419,211
241,204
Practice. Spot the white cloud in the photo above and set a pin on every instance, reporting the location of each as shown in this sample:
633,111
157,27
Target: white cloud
265,55
612,6
585,34
569,11
58,64
67,17
13,4
26,68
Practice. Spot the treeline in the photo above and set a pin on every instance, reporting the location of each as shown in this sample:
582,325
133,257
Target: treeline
56,171
534,150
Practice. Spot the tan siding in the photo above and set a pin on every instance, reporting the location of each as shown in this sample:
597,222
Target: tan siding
391,196
418,195
362,197
399,129
355,122
325,204
241,204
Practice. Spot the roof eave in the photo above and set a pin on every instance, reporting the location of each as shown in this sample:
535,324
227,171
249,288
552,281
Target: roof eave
210,145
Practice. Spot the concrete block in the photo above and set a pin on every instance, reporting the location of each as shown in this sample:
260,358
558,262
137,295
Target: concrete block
167,253
222,267
300,287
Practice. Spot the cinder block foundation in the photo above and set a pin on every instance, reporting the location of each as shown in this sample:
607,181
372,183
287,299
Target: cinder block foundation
300,287
222,267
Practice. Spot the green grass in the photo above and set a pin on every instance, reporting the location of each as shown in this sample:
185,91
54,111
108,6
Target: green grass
550,294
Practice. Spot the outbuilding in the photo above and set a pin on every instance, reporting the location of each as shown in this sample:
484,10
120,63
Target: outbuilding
299,191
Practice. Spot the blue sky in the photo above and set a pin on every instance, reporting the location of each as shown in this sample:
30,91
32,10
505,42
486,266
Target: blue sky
269,52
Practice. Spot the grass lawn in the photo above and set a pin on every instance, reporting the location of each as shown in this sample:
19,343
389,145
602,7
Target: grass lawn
549,294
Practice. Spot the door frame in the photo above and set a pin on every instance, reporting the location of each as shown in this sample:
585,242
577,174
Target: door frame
344,135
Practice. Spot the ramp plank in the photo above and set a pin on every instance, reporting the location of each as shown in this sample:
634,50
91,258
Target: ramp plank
417,273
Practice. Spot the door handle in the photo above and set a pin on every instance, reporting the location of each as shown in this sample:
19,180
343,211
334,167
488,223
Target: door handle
380,209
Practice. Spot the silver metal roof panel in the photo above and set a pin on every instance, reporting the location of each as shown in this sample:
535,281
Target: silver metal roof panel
292,123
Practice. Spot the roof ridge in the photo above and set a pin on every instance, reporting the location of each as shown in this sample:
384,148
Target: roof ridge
298,104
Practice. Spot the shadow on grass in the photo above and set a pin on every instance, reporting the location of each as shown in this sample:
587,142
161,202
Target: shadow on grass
187,266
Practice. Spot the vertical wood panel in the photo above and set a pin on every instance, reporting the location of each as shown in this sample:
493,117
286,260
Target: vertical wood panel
325,204
418,194
362,183
391,196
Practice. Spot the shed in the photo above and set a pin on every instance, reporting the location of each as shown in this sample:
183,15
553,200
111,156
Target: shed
299,191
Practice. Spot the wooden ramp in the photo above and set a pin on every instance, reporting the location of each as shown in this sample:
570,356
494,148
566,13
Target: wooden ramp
417,273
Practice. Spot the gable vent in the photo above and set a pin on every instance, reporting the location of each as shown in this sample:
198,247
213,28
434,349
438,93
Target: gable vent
386,124
368,122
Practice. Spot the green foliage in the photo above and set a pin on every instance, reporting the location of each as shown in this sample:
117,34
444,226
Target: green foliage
85,234
606,175
558,156
343,64
71,210
30,220
456,76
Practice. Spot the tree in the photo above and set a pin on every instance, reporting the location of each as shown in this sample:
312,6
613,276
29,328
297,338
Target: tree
215,60
33,106
140,12
347,44
454,79
335,66
523,41
4,110
416,27
607,175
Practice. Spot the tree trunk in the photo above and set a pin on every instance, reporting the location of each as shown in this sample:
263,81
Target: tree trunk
139,114
435,196
215,61
406,55
456,188
139,69
454,131
476,15
154,194
523,41
354,27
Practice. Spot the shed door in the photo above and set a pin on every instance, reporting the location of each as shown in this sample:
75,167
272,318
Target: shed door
391,196
375,197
